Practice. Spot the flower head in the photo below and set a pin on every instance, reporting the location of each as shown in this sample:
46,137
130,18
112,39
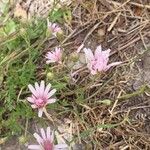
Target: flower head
46,141
54,56
98,61
41,96
53,28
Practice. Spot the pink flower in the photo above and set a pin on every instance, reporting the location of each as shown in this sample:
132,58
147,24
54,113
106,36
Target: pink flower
98,61
46,141
41,96
54,56
53,28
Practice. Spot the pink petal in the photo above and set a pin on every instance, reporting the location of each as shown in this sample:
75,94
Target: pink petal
40,112
101,64
88,54
98,50
52,136
50,55
42,88
50,101
58,53
57,50
30,99
48,133
38,138
37,87
50,61
32,89
34,147
53,25
60,146
106,53
52,92
101,67
47,89
57,28
113,64
43,134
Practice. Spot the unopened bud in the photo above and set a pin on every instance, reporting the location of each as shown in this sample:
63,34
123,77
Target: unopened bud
50,75
22,139
74,57
60,35
106,102
48,33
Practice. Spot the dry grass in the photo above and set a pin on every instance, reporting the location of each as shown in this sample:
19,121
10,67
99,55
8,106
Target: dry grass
118,25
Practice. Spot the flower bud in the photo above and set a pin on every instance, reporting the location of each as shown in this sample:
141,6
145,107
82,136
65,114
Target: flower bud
106,102
50,75
22,139
74,57
48,33
60,35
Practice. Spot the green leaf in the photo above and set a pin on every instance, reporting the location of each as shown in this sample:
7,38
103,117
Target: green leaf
10,27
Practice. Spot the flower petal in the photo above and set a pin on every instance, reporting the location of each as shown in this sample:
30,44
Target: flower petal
32,89
48,133
98,50
30,99
34,147
106,53
60,146
38,138
47,89
58,54
113,64
40,112
42,88
43,134
51,57
57,50
50,101
88,54
48,55
53,25
37,87
52,92
50,61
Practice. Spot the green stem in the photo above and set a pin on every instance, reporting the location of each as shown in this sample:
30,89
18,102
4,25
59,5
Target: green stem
138,92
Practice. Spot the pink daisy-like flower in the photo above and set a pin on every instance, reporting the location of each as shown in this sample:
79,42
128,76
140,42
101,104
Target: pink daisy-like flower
53,28
98,61
54,56
46,141
41,96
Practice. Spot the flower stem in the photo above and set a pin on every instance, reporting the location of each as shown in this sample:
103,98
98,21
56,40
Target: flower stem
49,117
